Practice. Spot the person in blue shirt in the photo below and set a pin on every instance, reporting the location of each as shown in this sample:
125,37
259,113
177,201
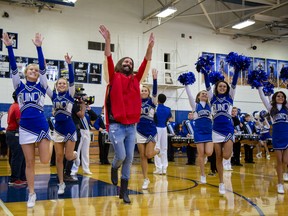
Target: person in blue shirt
188,128
99,125
223,130
171,127
248,128
161,117
146,128
33,124
64,134
278,110
202,127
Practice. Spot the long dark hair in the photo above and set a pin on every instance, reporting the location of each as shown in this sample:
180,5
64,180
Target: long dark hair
119,68
217,84
274,109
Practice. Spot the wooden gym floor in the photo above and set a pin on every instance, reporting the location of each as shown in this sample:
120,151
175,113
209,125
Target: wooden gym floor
251,190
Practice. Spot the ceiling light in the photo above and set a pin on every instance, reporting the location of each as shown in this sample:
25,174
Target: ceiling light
243,24
166,12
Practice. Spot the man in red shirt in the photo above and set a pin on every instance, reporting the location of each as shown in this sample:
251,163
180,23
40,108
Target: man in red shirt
123,106
17,160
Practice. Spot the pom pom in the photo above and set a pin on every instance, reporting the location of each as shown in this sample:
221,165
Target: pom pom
239,62
215,76
187,78
262,115
256,78
268,88
204,64
284,74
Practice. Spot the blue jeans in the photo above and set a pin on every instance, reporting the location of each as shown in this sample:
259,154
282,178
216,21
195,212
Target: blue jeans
123,138
18,164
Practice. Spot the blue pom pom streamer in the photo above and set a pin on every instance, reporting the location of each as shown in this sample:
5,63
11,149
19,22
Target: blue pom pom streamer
284,74
215,76
256,78
187,78
204,64
239,62
268,88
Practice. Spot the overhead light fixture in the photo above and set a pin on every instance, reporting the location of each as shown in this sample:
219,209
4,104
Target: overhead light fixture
166,12
243,24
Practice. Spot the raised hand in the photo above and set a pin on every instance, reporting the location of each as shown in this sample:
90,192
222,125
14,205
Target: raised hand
38,40
151,40
154,73
68,58
104,32
7,40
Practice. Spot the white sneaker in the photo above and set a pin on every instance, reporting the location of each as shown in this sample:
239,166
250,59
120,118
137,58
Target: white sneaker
164,171
205,160
268,156
158,171
285,176
88,172
259,155
280,188
158,151
77,159
61,188
145,184
222,188
203,180
31,200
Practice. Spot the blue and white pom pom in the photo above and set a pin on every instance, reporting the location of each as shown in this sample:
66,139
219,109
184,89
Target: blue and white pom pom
204,64
268,88
187,78
284,74
215,76
239,62
256,78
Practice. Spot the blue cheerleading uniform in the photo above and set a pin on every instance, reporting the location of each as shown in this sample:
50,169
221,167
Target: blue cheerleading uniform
279,123
62,104
263,129
202,119
33,124
222,104
146,128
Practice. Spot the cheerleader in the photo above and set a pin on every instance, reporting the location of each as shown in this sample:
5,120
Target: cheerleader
202,128
64,134
223,130
278,110
262,125
33,125
146,128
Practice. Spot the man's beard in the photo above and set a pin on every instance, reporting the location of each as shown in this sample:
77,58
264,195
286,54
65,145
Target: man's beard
126,70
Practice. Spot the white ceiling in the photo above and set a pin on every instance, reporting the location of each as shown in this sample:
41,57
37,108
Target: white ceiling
271,16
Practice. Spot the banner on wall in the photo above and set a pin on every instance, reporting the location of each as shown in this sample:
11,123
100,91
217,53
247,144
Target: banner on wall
271,69
22,63
4,66
1,43
52,69
14,37
81,72
281,64
63,70
95,73
259,64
